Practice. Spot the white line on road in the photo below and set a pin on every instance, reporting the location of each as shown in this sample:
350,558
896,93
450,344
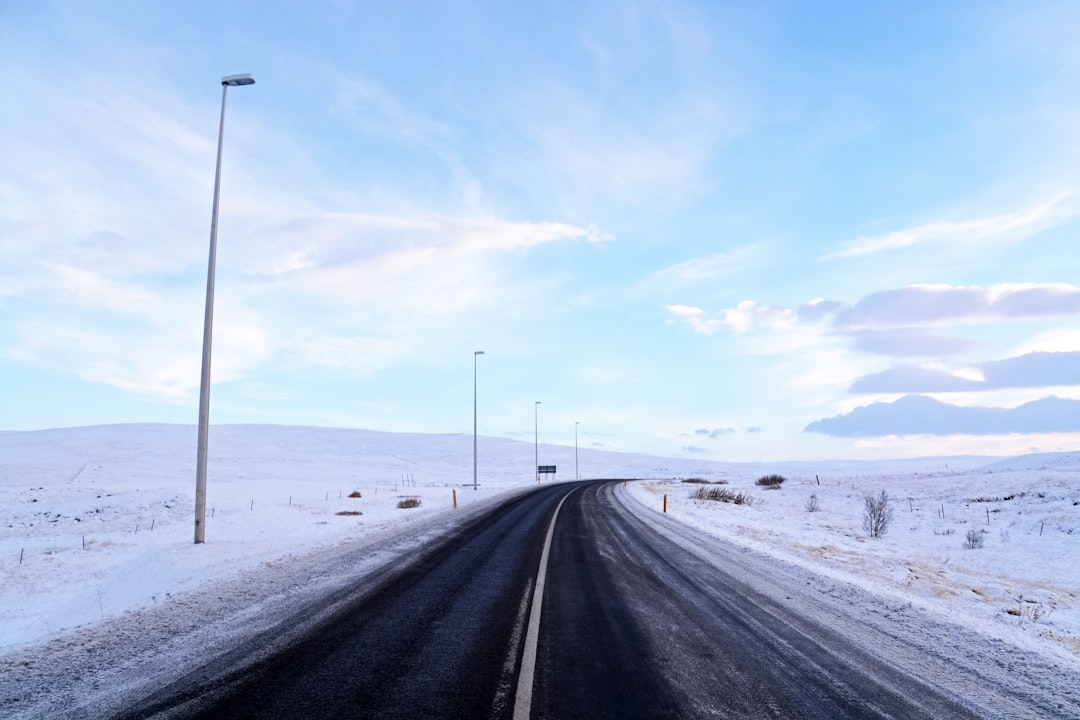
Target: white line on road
506,682
523,699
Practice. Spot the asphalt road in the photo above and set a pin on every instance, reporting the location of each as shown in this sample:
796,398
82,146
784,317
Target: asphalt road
626,624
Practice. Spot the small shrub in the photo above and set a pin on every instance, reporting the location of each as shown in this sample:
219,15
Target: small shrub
349,512
812,504
974,540
409,502
696,481
1029,610
703,493
722,495
771,481
355,494
877,514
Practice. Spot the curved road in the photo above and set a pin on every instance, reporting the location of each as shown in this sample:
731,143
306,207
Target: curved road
594,615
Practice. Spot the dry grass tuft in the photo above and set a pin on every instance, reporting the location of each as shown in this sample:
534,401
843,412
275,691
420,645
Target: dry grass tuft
722,495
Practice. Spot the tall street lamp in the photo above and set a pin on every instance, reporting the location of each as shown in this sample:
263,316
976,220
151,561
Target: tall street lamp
536,438
478,352
208,324
577,474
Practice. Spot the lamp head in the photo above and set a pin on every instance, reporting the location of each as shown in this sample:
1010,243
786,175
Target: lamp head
241,79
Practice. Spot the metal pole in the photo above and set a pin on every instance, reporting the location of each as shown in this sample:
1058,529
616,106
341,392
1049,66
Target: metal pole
478,352
208,325
577,474
208,331
536,439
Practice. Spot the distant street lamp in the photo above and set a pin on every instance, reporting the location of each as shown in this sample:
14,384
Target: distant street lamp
478,352
536,438
577,474
208,324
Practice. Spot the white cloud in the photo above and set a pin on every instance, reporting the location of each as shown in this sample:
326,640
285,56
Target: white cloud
402,265
741,318
921,305
695,317
747,314
903,321
1016,225
104,224
409,274
1058,340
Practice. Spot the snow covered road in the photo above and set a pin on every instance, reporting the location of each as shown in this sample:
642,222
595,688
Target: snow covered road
643,617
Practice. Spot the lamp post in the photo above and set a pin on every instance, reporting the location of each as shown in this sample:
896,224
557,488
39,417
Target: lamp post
536,439
208,323
577,474
474,355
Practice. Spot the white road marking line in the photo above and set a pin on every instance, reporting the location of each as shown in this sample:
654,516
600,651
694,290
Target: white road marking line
506,682
523,699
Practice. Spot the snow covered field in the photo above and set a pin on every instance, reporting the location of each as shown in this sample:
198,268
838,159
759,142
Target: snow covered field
1022,585
97,522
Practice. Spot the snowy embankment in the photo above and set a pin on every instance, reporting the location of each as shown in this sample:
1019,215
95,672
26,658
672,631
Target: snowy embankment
991,545
98,522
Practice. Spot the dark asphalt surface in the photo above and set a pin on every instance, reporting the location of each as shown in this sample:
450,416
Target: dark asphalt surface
636,626
633,626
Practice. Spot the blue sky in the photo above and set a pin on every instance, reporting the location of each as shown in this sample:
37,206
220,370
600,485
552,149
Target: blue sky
731,230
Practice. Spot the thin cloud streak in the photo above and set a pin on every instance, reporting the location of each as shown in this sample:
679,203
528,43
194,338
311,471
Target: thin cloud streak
702,269
1020,224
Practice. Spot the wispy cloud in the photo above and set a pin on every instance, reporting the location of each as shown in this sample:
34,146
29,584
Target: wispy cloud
901,322
945,304
699,270
1015,225
140,334
376,110
909,342
439,264
104,215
